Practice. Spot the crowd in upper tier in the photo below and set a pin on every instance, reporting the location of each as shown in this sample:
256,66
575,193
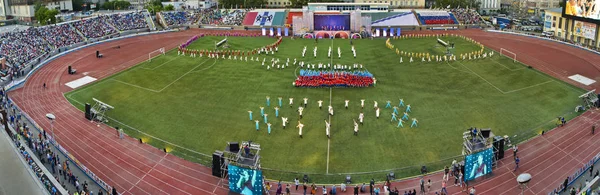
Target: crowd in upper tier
19,47
466,16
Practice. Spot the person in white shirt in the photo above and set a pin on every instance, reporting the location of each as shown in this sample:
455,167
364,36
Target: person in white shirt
362,103
343,187
346,103
377,112
300,109
300,125
327,126
320,104
305,102
284,120
355,128
291,102
361,117
374,104
330,110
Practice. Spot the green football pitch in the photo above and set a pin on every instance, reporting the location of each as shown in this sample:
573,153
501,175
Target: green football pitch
200,104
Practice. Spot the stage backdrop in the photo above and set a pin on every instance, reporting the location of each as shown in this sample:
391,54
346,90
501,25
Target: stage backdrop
245,181
332,22
478,164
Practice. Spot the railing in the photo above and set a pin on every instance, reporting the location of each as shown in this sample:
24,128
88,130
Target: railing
36,166
548,39
572,178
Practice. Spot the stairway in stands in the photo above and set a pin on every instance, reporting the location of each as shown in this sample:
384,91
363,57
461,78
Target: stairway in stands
76,30
149,20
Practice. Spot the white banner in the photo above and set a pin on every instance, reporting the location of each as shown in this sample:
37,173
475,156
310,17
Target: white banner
264,19
584,29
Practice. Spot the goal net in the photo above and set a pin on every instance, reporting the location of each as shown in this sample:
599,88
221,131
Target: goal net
156,53
508,54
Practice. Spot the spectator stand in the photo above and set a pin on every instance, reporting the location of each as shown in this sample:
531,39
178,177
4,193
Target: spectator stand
36,167
581,171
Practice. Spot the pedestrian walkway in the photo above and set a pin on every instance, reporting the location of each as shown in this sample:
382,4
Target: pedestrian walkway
15,178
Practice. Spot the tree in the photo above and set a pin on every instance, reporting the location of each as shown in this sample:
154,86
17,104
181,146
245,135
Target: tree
154,6
472,4
44,15
169,7
116,5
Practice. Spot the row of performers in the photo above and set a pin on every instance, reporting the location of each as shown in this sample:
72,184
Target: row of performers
331,80
268,48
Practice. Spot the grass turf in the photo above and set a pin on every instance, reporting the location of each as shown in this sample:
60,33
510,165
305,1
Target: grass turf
201,103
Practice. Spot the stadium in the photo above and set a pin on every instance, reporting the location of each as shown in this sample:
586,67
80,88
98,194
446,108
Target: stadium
229,101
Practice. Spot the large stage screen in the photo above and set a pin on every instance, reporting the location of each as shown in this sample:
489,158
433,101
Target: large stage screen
478,164
332,22
245,181
585,10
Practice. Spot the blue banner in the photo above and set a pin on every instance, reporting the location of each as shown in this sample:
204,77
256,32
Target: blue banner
478,164
391,32
278,31
286,31
245,181
398,33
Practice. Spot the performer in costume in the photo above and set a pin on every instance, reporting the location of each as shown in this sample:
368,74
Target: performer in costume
401,103
300,126
414,122
265,116
250,114
400,123
407,108
256,121
268,101
269,128
389,104
394,117
262,111
276,111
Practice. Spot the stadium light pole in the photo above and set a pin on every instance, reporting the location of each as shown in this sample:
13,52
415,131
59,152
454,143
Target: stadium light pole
51,117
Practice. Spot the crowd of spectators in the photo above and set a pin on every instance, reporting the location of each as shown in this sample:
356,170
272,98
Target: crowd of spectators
222,17
466,16
15,44
94,27
128,21
60,35
178,17
40,147
21,46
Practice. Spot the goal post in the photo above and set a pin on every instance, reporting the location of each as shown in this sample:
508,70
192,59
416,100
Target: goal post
156,53
508,54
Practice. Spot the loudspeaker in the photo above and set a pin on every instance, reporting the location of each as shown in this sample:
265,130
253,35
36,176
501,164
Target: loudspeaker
88,111
234,147
97,53
499,147
485,132
217,162
69,70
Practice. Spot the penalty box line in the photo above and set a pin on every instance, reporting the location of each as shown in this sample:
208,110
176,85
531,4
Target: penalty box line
168,85
497,88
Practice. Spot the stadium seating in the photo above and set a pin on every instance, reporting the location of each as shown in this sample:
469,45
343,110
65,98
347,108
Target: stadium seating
290,18
178,17
22,46
94,27
429,17
406,18
466,16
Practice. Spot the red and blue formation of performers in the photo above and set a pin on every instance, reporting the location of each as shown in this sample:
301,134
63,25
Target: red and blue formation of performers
334,78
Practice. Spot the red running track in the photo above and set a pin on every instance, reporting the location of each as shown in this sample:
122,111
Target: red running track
135,168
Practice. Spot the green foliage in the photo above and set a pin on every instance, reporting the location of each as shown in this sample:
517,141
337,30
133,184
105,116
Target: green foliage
169,7
44,15
154,6
116,5
475,4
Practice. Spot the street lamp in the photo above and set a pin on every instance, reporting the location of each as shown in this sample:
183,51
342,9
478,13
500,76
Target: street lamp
51,117
523,179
